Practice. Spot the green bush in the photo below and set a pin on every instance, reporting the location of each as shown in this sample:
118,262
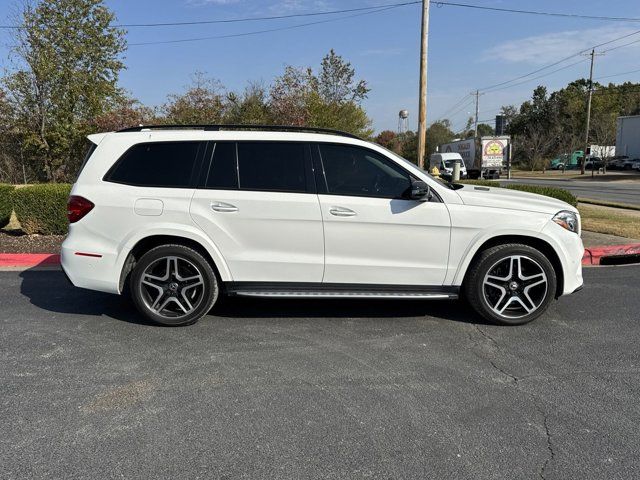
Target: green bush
5,204
553,192
42,208
481,183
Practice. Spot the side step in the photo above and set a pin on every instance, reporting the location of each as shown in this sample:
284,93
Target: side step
287,290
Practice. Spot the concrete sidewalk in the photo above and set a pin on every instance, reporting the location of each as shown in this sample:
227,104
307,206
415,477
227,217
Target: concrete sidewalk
593,239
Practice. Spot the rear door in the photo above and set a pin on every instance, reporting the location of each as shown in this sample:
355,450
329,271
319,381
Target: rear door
258,204
375,234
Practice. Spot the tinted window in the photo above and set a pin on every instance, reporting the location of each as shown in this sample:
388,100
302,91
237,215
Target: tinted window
158,164
272,166
223,172
361,172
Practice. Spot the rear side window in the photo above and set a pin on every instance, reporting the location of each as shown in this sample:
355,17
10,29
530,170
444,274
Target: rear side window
223,170
273,166
157,164
357,171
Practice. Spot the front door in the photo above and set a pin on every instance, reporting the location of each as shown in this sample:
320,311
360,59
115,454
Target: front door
373,233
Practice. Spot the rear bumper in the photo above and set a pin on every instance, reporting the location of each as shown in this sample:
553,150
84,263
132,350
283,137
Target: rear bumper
98,272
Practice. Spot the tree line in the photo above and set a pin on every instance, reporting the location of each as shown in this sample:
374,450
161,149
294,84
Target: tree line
63,84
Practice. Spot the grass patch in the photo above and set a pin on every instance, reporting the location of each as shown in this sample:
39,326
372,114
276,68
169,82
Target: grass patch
612,221
604,203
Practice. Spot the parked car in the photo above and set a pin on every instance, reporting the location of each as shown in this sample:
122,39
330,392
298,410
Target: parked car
178,217
617,163
445,162
593,163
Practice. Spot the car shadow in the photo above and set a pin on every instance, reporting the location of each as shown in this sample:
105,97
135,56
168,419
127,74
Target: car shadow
50,290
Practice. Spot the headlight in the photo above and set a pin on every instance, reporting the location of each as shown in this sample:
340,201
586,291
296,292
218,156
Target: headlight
568,220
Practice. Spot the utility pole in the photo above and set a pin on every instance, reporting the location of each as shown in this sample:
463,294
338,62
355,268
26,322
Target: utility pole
422,110
477,94
586,133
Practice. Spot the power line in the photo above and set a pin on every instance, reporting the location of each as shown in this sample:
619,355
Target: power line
454,106
618,74
582,60
257,32
360,9
491,87
537,12
250,19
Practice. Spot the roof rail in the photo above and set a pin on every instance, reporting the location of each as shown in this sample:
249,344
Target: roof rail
216,127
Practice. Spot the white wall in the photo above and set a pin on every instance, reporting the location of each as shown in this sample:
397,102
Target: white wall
628,136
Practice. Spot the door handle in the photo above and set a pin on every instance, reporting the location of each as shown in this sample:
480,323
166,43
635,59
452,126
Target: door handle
342,212
223,207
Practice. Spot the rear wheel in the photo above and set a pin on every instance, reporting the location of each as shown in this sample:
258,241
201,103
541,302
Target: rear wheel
511,284
173,285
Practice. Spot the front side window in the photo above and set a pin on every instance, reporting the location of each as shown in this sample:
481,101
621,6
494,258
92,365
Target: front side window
157,164
272,166
361,172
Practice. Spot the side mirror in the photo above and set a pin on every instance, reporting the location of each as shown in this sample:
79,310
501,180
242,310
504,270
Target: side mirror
420,191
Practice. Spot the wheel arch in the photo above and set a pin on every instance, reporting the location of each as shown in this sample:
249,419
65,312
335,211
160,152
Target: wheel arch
539,244
146,243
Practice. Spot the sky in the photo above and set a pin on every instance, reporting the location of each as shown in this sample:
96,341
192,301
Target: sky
469,49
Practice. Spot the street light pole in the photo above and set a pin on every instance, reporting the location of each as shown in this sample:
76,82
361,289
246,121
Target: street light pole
422,110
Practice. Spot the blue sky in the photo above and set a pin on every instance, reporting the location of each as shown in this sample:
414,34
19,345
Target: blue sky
468,48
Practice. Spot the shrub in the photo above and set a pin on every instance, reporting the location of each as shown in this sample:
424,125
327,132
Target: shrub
553,192
42,208
5,204
481,183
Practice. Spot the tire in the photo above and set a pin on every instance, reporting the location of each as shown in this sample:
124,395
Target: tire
510,284
173,285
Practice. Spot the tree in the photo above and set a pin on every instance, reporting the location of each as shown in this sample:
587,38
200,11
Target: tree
485,130
438,133
251,107
203,102
331,99
68,61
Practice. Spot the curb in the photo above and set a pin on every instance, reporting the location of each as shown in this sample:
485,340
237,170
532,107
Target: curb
592,256
27,260
595,255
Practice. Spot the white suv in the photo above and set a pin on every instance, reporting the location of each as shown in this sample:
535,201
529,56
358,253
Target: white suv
179,216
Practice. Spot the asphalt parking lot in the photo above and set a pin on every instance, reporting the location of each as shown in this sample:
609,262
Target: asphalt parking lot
338,389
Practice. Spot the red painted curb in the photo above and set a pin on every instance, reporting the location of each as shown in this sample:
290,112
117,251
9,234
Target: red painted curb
593,255
28,259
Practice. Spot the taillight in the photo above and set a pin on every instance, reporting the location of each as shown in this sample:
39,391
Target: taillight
78,207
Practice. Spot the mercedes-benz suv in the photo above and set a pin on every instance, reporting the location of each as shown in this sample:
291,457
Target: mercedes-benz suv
178,217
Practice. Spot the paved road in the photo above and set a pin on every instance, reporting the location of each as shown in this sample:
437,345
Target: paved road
610,191
333,390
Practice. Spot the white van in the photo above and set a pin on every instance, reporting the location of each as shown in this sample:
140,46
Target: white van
445,161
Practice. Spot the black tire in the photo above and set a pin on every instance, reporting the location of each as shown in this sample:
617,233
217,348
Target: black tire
488,291
189,291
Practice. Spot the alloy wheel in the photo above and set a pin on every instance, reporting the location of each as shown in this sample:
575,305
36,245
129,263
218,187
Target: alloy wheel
515,286
172,287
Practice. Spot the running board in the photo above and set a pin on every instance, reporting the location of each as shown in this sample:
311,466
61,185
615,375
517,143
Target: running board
289,290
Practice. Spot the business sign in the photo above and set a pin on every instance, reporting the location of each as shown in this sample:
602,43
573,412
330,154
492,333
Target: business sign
466,149
494,151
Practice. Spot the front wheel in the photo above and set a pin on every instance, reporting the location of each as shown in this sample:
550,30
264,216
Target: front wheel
173,285
510,284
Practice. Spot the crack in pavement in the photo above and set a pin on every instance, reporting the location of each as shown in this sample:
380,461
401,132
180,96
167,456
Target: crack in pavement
514,380
552,453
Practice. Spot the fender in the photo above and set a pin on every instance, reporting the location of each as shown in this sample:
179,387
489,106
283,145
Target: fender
456,275
177,230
